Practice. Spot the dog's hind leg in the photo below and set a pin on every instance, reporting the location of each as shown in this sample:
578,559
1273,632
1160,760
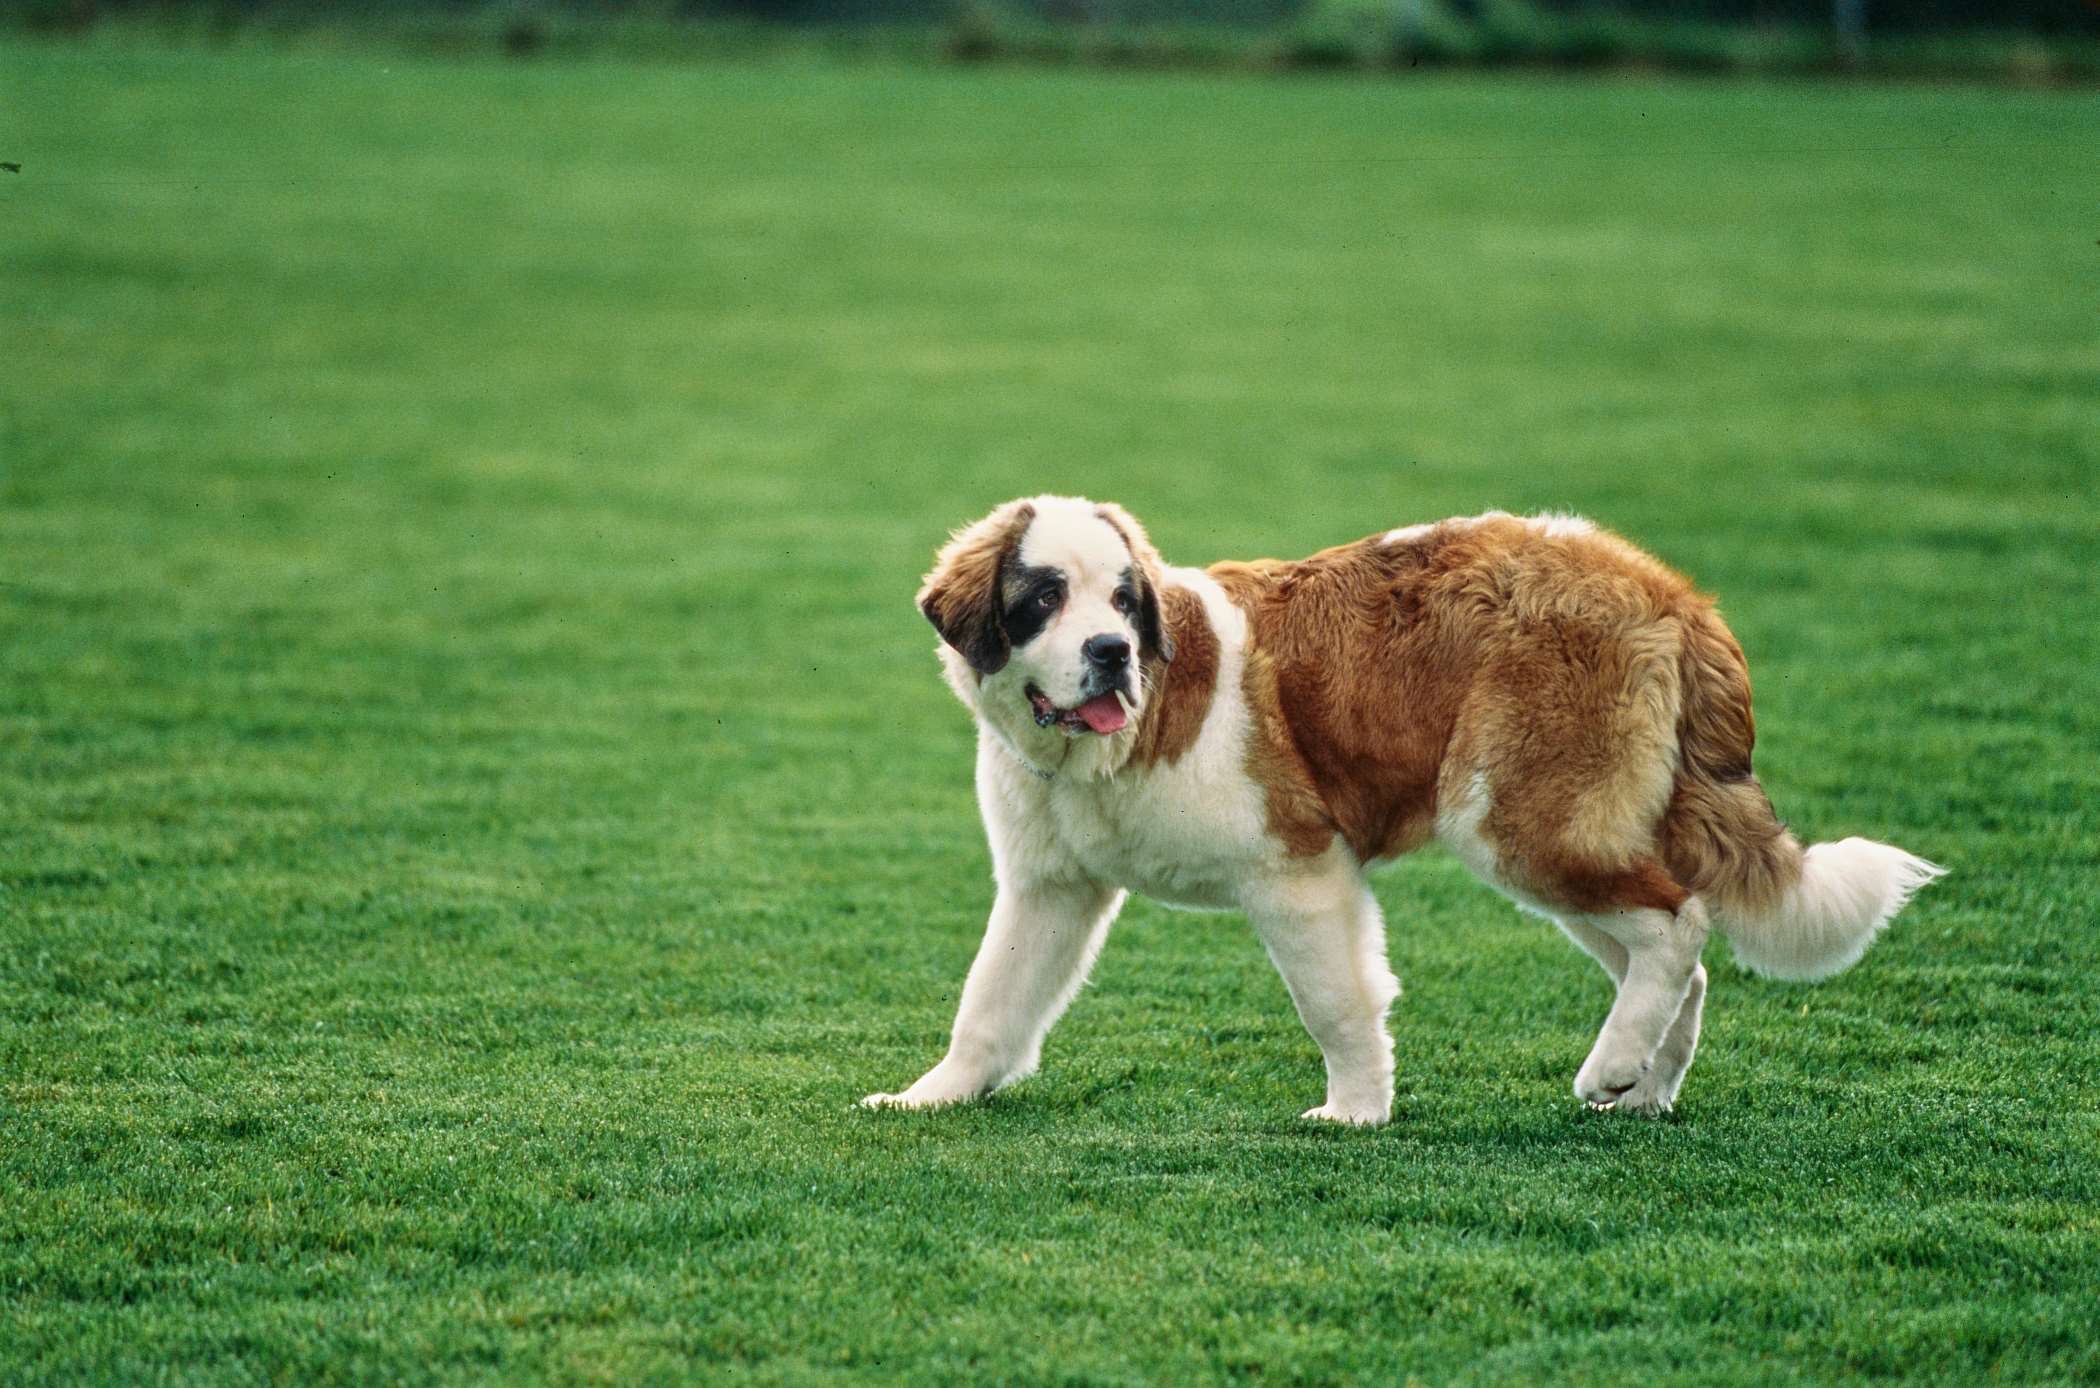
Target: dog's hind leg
1562,767
1662,957
1324,932
1038,946
1622,906
1656,1090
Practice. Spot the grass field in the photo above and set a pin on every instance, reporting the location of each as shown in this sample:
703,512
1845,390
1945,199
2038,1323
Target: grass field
479,804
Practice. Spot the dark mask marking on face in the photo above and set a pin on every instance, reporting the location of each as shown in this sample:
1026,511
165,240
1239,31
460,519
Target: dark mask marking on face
1033,595
1154,640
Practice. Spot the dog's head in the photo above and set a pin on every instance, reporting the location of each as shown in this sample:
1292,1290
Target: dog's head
1053,604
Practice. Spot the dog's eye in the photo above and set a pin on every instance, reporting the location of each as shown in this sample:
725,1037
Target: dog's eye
1048,599
1123,602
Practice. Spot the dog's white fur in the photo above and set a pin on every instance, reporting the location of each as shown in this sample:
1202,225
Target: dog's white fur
1073,828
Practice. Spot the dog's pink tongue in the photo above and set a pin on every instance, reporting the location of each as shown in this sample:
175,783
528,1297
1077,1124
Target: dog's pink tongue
1103,715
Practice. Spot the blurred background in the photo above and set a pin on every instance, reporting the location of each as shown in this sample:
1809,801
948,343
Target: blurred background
2016,40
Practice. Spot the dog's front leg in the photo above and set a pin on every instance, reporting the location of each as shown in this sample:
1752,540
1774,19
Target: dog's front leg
1325,934
1041,941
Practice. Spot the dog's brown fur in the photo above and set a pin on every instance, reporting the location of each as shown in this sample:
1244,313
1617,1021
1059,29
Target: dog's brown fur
1565,669
1181,689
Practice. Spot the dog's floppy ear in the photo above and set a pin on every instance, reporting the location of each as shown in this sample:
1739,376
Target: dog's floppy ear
1153,637
961,596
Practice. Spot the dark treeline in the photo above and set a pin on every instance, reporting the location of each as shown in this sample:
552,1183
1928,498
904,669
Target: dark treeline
2040,17
2024,41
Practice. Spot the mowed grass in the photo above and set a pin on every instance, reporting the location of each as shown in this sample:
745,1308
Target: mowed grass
480,807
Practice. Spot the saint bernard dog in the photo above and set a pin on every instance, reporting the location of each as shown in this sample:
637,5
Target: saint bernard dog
1562,710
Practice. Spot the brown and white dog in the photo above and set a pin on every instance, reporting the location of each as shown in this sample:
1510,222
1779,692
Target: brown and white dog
1561,709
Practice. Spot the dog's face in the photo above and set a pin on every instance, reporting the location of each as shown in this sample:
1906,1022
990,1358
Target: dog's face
1054,604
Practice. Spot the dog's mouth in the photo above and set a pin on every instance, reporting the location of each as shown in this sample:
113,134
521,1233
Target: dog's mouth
1104,713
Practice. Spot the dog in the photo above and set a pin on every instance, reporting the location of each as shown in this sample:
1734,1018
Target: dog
1558,707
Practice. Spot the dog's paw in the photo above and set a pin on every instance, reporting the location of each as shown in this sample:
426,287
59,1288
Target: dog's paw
946,1083
931,1091
1652,1096
1606,1084
1364,1115
1636,1103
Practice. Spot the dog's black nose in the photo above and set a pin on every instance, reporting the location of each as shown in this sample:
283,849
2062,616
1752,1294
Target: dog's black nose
1109,652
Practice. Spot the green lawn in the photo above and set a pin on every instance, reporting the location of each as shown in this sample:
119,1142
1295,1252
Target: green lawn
479,805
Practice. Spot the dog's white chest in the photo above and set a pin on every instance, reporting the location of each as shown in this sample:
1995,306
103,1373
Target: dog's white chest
1174,835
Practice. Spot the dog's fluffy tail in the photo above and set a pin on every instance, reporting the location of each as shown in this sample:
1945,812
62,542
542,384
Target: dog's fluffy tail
1821,926
1788,912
